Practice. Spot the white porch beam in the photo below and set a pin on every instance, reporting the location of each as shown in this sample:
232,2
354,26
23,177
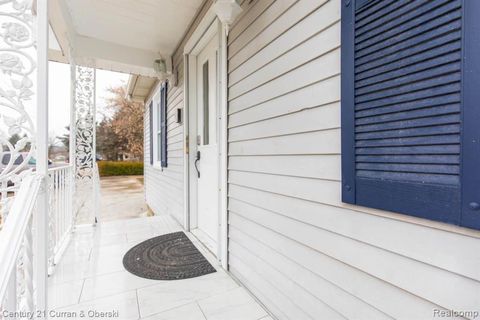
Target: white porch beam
61,23
114,57
57,56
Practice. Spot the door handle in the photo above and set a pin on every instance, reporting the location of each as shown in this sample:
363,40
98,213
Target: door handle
196,163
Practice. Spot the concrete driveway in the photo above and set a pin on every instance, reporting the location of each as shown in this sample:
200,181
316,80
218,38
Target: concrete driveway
122,197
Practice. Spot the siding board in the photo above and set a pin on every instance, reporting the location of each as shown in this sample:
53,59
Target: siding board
276,27
326,66
415,277
316,142
304,52
315,285
256,27
299,33
250,14
317,94
305,301
263,289
315,166
367,289
372,229
321,118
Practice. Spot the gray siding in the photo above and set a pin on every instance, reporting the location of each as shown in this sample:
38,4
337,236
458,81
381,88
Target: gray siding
292,242
164,186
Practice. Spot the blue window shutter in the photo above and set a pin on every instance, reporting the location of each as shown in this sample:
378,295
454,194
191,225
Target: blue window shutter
150,123
471,116
163,122
410,111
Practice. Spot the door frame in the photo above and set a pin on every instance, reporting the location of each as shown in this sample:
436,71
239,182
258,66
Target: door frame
209,27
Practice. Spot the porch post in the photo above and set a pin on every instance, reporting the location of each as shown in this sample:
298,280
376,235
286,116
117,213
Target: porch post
72,126
75,203
227,11
84,118
224,144
41,217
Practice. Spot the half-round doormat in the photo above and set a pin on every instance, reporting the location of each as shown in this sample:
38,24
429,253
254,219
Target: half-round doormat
168,257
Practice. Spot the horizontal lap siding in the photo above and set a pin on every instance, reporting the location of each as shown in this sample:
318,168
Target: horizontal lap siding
164,187
292,242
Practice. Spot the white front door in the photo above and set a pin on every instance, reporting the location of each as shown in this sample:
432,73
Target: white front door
207,160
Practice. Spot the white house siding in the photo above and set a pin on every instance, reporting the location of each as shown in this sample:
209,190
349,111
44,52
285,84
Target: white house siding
164,186
292,242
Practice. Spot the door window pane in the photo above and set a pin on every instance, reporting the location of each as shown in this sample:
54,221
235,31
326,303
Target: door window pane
206,122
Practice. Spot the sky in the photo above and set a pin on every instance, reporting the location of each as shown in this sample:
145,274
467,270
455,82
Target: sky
60,91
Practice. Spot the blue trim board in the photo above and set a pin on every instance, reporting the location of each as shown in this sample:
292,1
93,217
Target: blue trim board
347,103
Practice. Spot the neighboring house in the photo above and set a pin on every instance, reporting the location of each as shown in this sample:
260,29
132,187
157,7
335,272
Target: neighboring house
299,92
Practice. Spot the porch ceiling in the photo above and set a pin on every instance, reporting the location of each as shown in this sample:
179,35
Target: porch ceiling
139,87
120,35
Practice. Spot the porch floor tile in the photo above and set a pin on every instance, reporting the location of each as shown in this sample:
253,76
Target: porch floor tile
235,304
92,278
189,311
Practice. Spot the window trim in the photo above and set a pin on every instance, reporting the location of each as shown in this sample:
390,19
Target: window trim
155,129
347,104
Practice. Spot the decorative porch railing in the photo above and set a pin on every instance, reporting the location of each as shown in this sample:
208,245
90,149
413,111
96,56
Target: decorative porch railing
35,204
17,254
61,211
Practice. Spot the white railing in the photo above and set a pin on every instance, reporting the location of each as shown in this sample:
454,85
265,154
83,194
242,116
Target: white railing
61,213
17,254
8,191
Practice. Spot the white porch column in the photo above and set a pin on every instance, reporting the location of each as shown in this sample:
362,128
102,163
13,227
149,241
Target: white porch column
83,136
41,217
227,11
23,58
72,125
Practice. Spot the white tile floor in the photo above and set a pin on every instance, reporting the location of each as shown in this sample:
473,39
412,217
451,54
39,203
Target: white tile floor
91,278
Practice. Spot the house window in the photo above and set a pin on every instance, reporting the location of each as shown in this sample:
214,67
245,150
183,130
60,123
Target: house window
410,111
158,125
206,105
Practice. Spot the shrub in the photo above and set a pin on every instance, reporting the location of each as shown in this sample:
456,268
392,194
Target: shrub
119,168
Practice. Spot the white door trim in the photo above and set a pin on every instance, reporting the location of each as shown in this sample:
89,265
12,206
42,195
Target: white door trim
209,27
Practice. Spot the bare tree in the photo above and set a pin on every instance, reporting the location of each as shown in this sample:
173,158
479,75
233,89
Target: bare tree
127,122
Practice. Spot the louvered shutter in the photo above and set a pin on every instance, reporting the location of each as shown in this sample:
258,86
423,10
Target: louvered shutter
163,123
150,123
410,107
